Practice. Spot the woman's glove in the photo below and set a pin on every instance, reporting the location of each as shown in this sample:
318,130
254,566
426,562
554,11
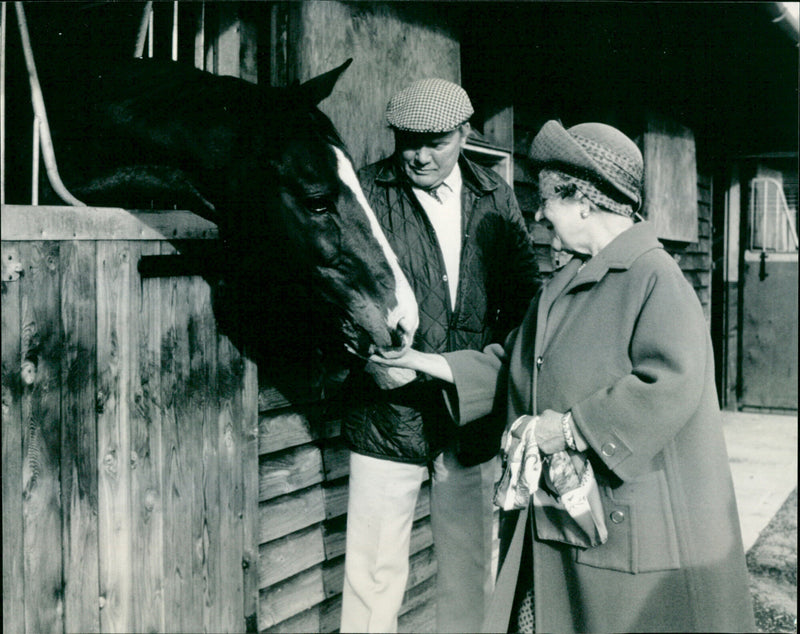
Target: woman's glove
550,432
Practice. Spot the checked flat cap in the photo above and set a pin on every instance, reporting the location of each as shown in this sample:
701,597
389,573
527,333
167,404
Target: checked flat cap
429,106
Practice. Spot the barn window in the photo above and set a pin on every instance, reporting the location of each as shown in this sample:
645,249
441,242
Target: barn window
773,212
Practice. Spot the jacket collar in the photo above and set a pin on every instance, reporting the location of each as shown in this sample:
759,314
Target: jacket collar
389,173
619,254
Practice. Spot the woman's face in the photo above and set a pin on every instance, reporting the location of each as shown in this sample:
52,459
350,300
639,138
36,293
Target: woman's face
564,214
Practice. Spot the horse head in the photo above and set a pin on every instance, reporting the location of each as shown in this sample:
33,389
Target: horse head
304,248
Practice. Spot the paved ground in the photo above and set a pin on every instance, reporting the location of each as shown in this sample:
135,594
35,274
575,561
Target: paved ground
763,458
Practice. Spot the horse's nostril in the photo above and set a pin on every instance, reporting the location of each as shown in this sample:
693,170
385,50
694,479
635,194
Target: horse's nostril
397,336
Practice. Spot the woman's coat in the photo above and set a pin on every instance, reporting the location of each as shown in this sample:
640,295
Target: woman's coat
622,343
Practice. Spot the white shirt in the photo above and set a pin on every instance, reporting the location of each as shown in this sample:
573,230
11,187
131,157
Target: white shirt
445,216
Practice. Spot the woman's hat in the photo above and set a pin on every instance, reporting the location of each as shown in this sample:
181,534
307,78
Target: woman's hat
593,151
429,106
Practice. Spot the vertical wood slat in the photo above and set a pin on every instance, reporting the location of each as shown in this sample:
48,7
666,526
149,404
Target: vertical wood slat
146,450
181,460
13,598
114,349
79,437
41,335
249,429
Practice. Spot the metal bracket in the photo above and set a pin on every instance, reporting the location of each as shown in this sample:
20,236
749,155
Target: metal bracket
12,268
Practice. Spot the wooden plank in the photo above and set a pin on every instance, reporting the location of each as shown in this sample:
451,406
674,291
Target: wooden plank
231,445
29,222
204,362
79,436
287,429
147,508
180,415
336,459
12,391
306,621
115,268
288,513
249,431
284,557
289,470
670,179
41,359
291,598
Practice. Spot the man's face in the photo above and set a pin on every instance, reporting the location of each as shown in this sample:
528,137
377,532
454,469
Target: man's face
427,159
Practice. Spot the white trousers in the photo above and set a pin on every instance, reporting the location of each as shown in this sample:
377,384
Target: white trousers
380,512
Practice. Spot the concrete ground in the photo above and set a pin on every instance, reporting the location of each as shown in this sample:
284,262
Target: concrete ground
763,459
763,456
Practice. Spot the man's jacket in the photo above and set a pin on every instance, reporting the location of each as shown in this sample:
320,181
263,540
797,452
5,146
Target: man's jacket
497,279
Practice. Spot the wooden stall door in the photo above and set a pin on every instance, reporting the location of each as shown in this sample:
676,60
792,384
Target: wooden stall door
130,458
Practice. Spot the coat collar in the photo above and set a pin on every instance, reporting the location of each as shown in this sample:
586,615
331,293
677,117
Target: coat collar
389,174
619,254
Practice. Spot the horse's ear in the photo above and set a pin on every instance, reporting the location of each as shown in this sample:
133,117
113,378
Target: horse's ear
318,88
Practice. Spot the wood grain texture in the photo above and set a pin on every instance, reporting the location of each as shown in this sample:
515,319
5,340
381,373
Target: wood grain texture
147,508
290,470
388,53
12,391
27,222
78,261
288,513
179,421
291,597
284,557
41,474
670,179
115,268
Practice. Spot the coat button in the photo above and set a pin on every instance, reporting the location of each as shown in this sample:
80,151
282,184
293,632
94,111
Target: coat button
617,516
444,278
539,363
609,449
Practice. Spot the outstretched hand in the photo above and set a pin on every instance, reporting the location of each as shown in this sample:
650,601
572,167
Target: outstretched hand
433,364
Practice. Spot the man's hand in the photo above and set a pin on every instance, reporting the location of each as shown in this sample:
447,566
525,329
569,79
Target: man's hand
426,362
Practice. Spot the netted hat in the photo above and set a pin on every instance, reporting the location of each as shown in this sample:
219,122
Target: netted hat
597,153
429,106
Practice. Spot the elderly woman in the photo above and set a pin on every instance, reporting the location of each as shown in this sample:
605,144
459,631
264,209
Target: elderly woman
613,362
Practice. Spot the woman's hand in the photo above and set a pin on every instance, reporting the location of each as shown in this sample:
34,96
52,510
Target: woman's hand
433,364
550,433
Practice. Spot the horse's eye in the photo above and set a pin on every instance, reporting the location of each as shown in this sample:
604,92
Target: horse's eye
320,205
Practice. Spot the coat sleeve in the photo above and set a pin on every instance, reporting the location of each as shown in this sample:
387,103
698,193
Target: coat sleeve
479,384
628,423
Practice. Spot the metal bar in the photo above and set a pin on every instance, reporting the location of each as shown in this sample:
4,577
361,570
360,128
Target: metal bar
141,35
37,127
38,108
2,103
150,35
175,31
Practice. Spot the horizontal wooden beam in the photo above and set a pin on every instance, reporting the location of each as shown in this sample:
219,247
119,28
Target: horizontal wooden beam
39,222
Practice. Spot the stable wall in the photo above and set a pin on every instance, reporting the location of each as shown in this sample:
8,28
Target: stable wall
129,432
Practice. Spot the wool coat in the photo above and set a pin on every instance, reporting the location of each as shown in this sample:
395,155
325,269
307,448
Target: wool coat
622,343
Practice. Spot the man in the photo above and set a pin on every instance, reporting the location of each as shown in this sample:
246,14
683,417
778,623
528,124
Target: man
462,242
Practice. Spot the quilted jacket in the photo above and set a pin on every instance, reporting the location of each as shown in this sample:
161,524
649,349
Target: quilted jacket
497,279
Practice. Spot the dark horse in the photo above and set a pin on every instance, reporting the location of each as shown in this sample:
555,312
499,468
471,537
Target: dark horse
304,261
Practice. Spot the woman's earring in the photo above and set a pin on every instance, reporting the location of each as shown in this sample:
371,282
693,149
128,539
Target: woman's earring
585,213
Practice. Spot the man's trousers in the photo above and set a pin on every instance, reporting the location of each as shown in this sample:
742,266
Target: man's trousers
380,513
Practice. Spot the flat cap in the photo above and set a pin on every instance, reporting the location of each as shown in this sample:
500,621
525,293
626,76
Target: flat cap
429,106
593,151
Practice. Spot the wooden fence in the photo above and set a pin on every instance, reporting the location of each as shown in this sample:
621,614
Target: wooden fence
130,458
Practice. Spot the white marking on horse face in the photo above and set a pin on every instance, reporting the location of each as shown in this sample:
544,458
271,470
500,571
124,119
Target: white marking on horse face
405,315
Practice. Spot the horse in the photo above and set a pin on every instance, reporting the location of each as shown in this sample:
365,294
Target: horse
303,260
